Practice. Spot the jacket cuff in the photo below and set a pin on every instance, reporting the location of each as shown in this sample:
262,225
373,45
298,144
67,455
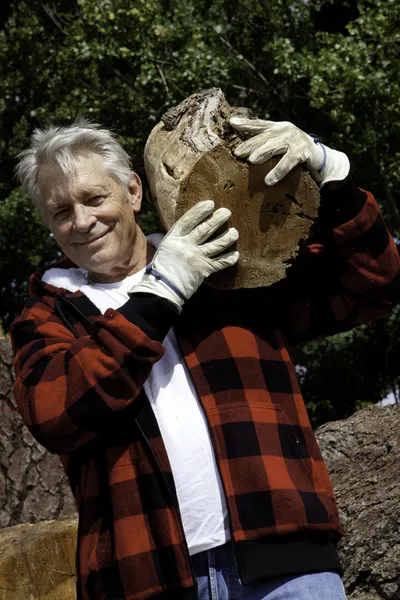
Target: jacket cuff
152,314
341,201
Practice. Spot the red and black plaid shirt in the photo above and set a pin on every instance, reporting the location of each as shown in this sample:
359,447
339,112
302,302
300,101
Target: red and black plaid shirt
79,388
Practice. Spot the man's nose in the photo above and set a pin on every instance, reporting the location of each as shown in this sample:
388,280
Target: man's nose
84,219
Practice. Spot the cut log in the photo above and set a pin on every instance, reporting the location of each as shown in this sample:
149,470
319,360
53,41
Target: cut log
37,562
189,157
362,455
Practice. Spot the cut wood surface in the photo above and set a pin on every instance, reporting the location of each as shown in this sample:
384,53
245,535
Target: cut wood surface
189,157
37,562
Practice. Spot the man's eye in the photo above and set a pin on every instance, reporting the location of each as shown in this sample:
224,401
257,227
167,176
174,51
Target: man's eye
96,199
61,214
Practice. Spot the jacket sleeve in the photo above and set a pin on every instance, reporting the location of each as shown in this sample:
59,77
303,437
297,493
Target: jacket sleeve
351,278
68,389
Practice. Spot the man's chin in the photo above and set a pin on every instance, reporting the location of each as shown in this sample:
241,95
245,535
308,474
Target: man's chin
98,263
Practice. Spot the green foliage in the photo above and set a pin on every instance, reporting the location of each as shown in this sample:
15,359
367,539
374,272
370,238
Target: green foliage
25,245
124,62
347,371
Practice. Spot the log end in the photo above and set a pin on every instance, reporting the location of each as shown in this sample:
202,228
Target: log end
271,221
37,561
189,157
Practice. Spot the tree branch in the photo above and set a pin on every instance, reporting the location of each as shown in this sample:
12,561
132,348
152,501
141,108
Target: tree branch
55,18
290,19
244,59
271,89
390,201
163,78
265,5
248,90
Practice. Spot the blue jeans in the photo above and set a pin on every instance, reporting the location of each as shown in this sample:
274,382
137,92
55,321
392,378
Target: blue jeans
218,580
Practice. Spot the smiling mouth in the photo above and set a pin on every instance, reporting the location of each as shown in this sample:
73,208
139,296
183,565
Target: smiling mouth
88,242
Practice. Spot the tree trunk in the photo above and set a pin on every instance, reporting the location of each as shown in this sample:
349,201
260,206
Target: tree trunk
33,486
362,455
189,157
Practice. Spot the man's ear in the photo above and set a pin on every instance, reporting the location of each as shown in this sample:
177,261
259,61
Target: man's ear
135,190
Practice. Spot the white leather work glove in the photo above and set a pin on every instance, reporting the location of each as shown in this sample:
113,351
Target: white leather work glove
270,138
185,258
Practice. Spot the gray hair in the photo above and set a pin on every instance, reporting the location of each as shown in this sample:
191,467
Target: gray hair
62,145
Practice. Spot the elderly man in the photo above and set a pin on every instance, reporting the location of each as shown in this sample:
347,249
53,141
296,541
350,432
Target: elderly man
175,407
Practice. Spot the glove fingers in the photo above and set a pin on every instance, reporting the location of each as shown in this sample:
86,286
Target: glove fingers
284,166
246,148
203,231
193,217
223,241
267,150
226,260
253,126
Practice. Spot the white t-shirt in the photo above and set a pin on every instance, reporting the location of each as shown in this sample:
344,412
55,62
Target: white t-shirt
180,418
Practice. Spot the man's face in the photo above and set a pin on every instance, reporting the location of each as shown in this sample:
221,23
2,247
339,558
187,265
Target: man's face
91,216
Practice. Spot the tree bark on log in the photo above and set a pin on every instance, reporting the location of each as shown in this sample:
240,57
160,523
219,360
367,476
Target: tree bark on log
33,485
362,454
189,157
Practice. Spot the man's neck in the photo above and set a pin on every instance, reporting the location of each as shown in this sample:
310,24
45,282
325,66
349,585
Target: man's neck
143,257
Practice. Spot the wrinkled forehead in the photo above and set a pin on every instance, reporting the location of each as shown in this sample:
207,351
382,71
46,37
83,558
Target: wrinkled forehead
84,173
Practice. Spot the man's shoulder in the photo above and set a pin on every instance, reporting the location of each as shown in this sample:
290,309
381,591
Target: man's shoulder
68,278
62,270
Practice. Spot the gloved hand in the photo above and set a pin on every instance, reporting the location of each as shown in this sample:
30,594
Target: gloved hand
184,258
271,138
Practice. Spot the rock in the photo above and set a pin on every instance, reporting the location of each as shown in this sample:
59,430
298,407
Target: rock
189,157
362,454
37,562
